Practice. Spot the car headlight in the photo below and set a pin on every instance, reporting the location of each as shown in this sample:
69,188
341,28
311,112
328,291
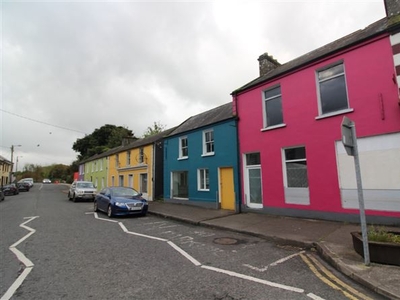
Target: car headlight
120,204
79,192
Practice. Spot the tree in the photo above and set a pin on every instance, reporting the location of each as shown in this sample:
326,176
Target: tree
157,128
102,139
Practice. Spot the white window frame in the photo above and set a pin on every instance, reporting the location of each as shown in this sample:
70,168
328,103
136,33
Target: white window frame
295,195
264,105
203,179
205,142
181,156
318,82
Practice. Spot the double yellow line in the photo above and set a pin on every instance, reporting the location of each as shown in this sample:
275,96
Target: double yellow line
331,280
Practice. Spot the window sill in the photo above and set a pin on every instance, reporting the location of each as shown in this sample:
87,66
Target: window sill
183,158
336,113
273,127
208,154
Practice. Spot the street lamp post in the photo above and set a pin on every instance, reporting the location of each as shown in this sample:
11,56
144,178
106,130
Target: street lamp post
12,164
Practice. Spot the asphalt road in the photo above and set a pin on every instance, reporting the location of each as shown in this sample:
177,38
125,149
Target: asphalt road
52,248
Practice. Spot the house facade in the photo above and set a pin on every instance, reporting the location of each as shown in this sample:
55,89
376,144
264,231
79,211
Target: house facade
5,169
290,146
139,165
200,161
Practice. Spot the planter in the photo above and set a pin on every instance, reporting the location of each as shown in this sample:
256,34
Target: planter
382,253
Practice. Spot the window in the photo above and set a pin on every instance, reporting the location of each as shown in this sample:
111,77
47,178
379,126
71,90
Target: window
332,90
141,155
180,188
183,147
208,142
117,161
143,183
203,180
128,158
273,107
296,167
97,166
101,165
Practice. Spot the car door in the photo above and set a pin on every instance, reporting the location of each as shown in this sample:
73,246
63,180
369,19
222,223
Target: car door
102,202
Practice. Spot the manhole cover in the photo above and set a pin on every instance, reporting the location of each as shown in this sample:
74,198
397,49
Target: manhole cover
226,241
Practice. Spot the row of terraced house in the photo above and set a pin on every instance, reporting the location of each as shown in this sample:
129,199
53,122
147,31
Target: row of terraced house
276,148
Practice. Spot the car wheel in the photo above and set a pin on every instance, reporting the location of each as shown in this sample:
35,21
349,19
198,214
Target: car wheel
69,196
95,208
73,198
109,212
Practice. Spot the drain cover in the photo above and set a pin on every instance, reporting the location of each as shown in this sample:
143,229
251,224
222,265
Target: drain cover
225,241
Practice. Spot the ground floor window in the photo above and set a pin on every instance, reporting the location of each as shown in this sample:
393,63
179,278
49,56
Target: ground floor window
121,180
180,188
296,176
203,180
296,167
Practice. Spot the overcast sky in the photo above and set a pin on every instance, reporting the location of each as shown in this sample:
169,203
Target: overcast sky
70,67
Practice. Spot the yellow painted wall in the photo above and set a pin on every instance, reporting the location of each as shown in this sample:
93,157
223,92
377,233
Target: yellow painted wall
134,167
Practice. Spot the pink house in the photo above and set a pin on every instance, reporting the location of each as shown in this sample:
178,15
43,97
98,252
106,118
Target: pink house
292,159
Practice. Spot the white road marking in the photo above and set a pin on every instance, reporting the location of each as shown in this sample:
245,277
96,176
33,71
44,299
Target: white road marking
230,273
315,297
274,263
185,254
22,258
254,279
139,234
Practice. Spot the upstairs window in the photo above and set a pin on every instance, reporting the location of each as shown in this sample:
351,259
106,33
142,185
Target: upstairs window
141,155
332,90
208,142
183,147
273,114
128,158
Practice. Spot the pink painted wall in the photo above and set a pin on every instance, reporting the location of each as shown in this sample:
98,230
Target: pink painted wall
369,71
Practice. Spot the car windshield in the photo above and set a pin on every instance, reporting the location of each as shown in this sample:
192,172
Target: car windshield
124,192
84,185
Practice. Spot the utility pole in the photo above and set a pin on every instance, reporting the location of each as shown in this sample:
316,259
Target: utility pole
12,164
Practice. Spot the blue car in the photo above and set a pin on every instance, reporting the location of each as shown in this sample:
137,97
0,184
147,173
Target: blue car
120,201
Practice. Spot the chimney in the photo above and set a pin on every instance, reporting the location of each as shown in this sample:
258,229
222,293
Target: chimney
392,7
127,140
267,63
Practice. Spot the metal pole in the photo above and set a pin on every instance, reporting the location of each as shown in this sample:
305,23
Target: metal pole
12,165
360,198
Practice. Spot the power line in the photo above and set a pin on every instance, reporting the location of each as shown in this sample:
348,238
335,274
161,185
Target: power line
37,121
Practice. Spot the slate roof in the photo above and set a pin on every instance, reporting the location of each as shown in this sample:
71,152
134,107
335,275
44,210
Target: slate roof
352,39
148,140
137,143
212,116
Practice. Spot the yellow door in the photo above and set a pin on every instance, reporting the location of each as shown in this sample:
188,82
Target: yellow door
227,191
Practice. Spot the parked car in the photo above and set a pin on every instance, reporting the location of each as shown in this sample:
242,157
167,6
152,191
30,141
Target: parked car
1,195
29,180
10,189
23,186
46,180
82,190
120,201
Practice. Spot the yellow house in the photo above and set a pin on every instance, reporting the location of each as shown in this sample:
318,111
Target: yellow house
5,169
139,165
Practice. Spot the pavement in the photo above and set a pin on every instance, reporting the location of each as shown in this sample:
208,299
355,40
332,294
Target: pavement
332,240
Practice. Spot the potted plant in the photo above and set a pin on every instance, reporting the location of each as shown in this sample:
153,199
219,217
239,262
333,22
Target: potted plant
384,246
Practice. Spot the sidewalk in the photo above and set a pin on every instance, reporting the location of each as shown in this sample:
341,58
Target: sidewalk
331,239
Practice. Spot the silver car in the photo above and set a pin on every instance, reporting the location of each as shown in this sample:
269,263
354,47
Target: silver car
82,190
